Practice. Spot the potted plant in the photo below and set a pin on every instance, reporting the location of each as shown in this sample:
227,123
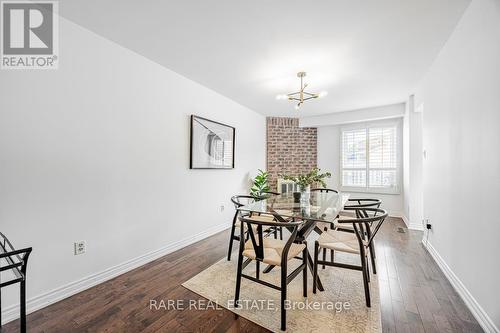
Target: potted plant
260,184
304,181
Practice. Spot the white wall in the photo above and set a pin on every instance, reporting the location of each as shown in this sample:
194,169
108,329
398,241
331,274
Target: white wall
461,131
98,150
413,166
329,153
329,160
415,215
406,161
361,115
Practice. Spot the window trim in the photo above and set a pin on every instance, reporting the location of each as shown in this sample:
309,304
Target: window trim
397,123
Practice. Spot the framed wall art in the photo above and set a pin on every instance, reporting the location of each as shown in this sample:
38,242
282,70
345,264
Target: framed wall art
212,144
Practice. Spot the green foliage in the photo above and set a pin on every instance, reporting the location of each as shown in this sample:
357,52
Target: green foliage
312,177
260,184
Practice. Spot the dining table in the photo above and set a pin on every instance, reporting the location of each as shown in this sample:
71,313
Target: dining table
311,207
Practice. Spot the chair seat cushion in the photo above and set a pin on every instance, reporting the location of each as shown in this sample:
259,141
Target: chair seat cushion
263,218
345,226
339,241
273,248
323,225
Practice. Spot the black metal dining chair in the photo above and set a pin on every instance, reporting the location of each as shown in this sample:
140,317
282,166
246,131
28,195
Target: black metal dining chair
323,190
273,252
360,204
15,261
356,243
357,203
277,230
239,201
323,225
271,193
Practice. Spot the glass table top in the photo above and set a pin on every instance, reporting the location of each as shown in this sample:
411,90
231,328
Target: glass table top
315,206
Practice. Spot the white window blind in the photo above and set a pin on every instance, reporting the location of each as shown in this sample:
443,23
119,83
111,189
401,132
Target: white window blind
370,158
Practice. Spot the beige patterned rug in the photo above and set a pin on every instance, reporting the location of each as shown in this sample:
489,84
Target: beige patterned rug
340,308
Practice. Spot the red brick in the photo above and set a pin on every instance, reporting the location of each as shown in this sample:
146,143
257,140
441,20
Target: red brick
290,148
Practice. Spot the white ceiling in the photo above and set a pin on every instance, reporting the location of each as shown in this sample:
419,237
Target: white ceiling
364,53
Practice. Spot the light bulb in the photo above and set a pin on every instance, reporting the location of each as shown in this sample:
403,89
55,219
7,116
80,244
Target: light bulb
297,106
322,94
278,97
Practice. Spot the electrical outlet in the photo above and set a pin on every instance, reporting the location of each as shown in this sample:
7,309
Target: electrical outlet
80,247
222,208
428,224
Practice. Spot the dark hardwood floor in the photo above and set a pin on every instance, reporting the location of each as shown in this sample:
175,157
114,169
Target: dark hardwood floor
415,295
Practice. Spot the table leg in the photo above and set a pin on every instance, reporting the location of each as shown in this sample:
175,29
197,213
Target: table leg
318,230
310,261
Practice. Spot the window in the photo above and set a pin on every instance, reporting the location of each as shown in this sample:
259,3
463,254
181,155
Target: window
370,159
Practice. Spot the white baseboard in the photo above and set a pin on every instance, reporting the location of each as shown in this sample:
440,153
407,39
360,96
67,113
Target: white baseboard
409,225
477,311
395,214
414,226
40,301
406,221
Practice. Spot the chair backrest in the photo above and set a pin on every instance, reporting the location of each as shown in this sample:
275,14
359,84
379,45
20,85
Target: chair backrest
16,260
363,203
323,190
271,192
372,222
242,200
257,238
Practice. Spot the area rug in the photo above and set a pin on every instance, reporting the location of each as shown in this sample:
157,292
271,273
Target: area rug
340,308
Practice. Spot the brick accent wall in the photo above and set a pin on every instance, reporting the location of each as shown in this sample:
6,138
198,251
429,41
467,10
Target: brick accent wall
290,149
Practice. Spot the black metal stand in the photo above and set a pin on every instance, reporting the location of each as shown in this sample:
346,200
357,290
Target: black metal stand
14,261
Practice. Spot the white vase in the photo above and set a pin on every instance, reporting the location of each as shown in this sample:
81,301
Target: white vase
305,193
306,189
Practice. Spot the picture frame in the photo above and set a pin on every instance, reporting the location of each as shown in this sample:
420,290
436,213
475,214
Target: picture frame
212,144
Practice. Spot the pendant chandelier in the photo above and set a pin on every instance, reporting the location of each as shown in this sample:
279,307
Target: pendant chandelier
302,95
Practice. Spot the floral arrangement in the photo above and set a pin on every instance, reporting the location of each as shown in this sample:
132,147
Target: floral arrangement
312,177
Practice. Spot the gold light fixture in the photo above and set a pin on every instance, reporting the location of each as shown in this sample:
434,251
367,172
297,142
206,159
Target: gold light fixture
301,96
